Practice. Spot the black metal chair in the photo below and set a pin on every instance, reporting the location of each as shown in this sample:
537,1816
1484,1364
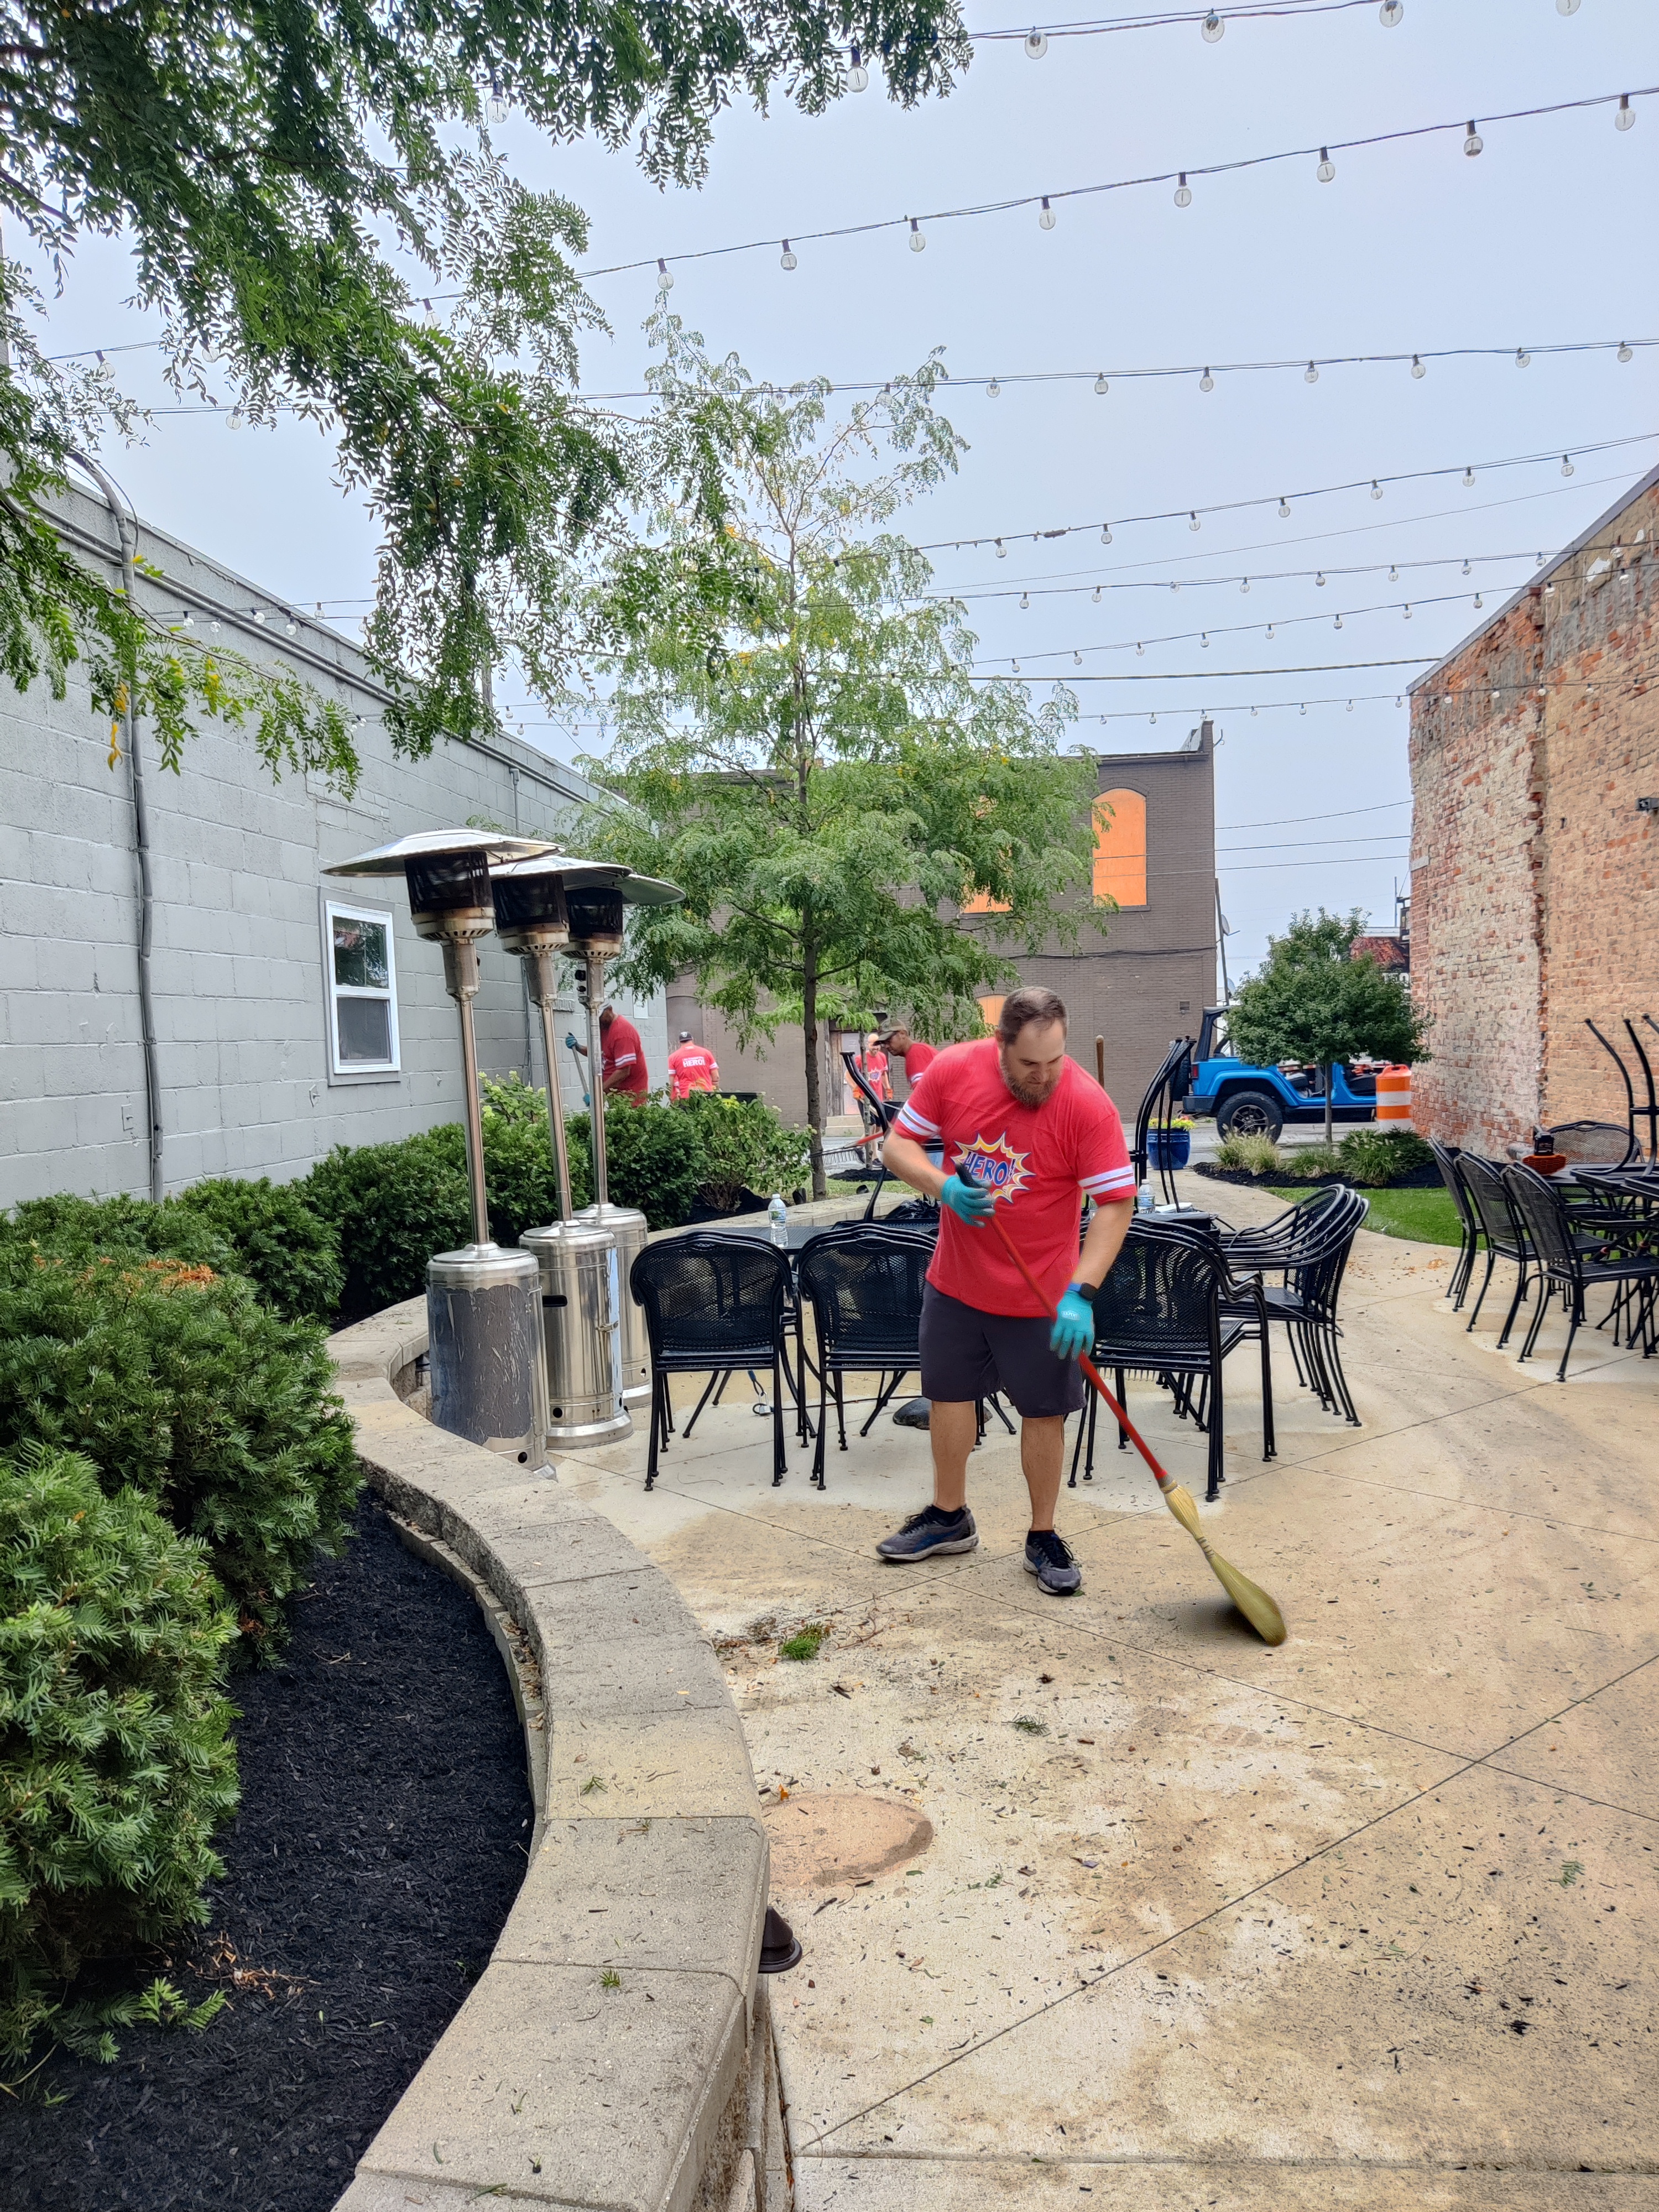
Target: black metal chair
1269,1245
1595,1144
864,1283
1158,1108
1312,1257
1160,1312
712,1305
1446,1158
1503,1229
1563,1262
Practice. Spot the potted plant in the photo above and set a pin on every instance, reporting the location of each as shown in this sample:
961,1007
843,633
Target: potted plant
1169,1145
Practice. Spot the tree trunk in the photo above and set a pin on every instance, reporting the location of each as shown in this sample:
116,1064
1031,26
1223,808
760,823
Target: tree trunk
809,1011
1330,1081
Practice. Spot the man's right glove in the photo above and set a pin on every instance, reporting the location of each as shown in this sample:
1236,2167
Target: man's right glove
967,1200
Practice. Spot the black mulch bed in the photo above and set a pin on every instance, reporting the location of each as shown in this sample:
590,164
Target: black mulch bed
383,1835
1426,1178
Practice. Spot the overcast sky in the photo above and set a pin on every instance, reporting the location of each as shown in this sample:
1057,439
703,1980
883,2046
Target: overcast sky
1545,238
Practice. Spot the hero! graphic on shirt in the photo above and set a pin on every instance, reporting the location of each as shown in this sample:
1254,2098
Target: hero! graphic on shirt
1040,1161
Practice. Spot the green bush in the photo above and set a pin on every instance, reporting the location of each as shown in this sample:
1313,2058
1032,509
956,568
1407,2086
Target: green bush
83,1228
392,1207
289,1253
116,1760
510,1098
653,1158
744,1146
1310,1162
183,1384
1255,1155
1375,1157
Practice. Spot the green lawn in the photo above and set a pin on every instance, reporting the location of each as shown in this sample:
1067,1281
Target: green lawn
1429,1215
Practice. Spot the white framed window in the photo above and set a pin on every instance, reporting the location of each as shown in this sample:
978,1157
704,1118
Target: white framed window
361,978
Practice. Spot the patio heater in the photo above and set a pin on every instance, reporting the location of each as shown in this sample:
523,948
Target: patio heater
483,1305
596,936
583,1296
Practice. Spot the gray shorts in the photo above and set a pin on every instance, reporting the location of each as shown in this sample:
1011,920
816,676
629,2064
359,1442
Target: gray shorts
967,1354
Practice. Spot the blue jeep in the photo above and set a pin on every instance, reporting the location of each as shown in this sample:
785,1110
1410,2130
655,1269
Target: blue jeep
1257,1102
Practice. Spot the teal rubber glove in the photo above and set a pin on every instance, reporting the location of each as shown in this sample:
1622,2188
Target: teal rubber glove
570,1039
1074,1331
967,1200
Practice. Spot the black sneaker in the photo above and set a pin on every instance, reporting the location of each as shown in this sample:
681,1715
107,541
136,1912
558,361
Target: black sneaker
1048,1557
930,1535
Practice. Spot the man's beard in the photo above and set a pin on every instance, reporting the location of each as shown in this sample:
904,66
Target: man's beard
1029,1094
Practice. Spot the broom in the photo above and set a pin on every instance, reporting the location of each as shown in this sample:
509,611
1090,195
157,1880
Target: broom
1258,1609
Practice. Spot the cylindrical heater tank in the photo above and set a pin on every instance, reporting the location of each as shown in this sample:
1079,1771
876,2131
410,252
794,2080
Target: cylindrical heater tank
485,1321
582,1297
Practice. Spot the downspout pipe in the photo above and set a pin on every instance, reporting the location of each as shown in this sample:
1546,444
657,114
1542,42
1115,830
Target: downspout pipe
126,525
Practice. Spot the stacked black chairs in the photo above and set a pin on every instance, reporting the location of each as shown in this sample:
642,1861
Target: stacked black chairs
1158,1108
1594,1144
1564,1259
1504,1232
713,1305
1160,1312
864,1283
1446,1158
1308,1248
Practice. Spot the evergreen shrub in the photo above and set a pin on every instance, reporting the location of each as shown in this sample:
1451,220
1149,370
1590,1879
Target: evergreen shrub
392,1207
116,1760
745,1146
1375,1157
184,1385
288,1252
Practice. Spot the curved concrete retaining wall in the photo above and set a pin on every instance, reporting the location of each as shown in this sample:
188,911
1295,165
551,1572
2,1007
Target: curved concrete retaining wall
616,2051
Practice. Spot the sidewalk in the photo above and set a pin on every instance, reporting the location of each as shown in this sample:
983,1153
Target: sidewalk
1102,1899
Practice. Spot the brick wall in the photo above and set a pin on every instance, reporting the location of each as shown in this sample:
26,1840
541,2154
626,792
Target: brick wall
1534,880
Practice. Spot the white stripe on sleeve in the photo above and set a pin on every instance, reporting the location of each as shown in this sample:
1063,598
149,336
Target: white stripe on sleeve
1115,1182
909,1123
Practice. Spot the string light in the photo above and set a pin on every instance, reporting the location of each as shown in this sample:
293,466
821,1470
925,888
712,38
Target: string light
1036,45
1319,579
1096,596
1417,369
1467,570
918,243
1624,116
1101,387
858,77
1408,613
1184,197
1193,522
787,258
1204,639
1105,533
1046,217
1244,584
1478,601
1206,382
1310,373
1002,550
1390,13
1393,575
1523,358
496,107
1327,168
664,277
993,390
1473,142
1284,510
1212,27
1026,599
1376,488
1566,466
1468,479
1624,353
1337,624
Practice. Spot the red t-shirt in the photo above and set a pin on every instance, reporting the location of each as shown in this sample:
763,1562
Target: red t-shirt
691,1068
622,1058
1039,1159
917,1060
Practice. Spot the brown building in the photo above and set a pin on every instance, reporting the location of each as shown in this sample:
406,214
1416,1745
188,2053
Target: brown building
1141,982
1534,763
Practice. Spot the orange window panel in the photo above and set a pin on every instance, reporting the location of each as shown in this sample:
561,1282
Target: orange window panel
992,1010
1120,869
982,903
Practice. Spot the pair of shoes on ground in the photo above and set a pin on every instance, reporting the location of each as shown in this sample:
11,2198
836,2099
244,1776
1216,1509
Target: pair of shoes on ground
932,1535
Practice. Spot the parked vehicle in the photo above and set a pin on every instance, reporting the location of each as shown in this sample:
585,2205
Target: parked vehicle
1257,1102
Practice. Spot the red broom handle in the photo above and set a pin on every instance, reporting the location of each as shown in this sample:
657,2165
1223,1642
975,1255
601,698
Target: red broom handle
1087,1363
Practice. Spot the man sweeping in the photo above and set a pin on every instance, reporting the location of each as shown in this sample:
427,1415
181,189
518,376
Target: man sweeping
1023,1126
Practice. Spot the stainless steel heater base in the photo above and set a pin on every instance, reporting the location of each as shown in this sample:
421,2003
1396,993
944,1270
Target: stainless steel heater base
631,1230
582,1300
484,1342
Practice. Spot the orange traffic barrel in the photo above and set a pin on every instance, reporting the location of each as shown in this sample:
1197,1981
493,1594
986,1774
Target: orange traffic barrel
1394,1097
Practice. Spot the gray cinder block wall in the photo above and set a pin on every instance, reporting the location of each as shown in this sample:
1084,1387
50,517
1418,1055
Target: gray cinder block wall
247,1079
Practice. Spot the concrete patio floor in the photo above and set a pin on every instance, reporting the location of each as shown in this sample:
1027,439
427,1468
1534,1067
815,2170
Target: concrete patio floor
1368,1921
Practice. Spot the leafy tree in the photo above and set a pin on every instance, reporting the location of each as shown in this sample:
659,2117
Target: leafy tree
264,160
797,722
1311,999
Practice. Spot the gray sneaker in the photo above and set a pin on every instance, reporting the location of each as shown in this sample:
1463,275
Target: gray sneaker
931,1535
1048,1557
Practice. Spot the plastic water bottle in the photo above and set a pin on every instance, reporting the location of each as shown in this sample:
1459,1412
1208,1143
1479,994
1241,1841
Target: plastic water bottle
777,1220
1144,1202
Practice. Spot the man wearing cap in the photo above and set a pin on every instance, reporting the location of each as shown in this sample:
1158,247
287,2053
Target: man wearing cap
902,1044
690,1067
622,1056
1021,1128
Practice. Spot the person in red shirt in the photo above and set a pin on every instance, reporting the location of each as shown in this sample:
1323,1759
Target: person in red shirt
691,1068
918,1057
622,1056
1022,1127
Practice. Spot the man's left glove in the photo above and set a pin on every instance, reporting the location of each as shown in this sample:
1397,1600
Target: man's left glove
1074,1331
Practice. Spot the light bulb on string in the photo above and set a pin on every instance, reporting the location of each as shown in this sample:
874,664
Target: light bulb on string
1077,660
1624,116
1302,708
787,259
187,621
1015,665
993,390
258,615
290,627
1393,575
1478,601
1376,488
1310,373
1350,706
1417,369
1467,570
1175,588
1193,522
1204,638
1399,699
1244,584
1327,168
1036,45
1390,13
1319,579
664,277
1337,624
1097,595
1140,649
1405,613
1026,599
1206,382
858,77
1468,479
496,107
1212,27
1270,630
1284,509
1473,142
1566,466
1523,358
1101,387
214,626
1151,717
1046,217
918,243
1183,197
1624,352
1252,714
1002,550
1105,533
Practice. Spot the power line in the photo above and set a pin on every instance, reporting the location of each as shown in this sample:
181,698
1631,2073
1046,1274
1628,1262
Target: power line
1044,202
1290,821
